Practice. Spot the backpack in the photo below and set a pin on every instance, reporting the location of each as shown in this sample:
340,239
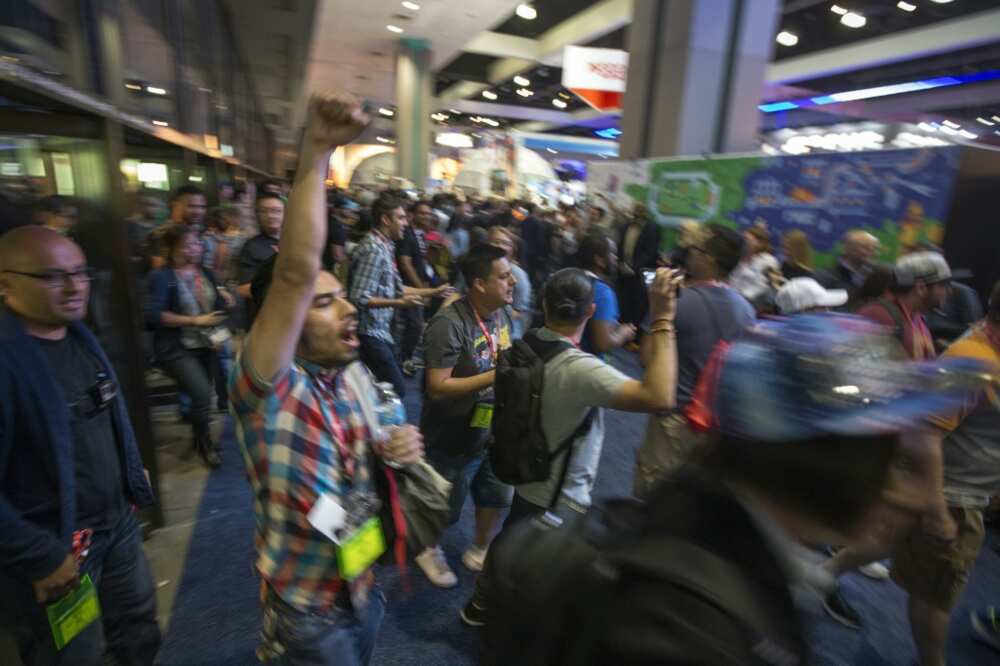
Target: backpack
520,452
896,315
637,580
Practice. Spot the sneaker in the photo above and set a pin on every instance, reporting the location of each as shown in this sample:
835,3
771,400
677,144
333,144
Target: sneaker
986,624
409,369
433,564
473,615
837,607
875,571
474,558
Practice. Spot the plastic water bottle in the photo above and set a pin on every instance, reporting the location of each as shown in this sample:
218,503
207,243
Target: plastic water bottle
391,414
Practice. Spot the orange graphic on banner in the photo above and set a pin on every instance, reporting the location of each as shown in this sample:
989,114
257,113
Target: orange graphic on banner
601,100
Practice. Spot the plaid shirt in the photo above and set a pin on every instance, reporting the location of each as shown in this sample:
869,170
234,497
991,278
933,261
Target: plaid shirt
374,274
290,433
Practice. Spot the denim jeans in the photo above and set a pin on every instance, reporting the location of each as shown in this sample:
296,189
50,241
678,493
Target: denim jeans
381,359
194,372
338,638
127,629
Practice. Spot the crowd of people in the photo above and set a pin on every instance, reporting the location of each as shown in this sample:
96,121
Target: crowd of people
801,423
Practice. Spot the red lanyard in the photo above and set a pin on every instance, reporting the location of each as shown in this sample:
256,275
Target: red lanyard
339,432
489,339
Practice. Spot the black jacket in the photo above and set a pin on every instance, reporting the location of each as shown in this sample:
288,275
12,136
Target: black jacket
163,297
647,248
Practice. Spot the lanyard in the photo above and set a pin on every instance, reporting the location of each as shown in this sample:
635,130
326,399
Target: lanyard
338,431
489,338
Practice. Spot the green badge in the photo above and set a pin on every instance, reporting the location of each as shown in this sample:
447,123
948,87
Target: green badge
360,550
73,613
483,416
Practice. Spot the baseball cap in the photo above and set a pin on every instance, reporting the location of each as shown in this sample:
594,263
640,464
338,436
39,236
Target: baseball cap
927,266
830,374
801,294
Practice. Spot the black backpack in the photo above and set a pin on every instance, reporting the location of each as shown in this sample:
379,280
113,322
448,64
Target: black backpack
520,452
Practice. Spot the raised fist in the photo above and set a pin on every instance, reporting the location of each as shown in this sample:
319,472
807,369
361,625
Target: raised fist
334,120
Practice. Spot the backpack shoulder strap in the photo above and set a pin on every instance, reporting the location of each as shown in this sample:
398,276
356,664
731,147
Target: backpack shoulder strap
567,447
896,314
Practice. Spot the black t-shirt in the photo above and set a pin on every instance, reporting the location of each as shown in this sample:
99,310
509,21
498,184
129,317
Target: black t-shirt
100,495
453,339
255,252
336,234
409,246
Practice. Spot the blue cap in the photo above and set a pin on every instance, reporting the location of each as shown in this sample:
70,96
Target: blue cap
826,374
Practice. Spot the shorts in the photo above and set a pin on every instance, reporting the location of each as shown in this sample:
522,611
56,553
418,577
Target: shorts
669,443
936,572
471,474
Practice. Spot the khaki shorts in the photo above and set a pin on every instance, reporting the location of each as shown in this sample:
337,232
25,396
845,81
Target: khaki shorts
668,444
934,571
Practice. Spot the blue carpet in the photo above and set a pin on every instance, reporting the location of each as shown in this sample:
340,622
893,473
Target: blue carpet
215,619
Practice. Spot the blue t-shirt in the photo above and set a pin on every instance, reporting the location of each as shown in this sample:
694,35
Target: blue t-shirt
607,310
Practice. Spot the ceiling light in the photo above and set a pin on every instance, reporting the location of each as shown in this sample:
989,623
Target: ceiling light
948,130
564,95
454,112
941,2
440,117
837,9
133,86
982,120
559,104
786,38
521,81
905,6
526,11
553,151
852,20
927,127
411,5
153,90
489,94
524,92
967,134
388,113
394,28
161,123
995,119
454,140
951,124
382,139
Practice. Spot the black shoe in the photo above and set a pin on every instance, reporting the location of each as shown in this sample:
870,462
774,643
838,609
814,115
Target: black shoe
473,615
207,448
837,607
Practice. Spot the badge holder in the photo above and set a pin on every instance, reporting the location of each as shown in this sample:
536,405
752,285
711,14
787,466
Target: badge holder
73,613
482,416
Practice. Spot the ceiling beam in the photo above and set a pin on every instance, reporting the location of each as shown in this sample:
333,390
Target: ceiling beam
503,46
578,117
560,118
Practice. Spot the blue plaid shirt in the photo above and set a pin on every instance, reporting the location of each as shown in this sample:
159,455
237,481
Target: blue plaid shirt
374,275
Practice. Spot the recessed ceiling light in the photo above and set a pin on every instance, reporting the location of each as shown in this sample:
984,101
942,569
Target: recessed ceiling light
454,112
161,123
967,134
786,38
388,113
489,94
941,2
382,139
564,95
951,124
133,86
995,118
526,11
905,6
411,5
837,9
982,120
153,90
553,151
394,28
521,81
853,20
948,130
524,92
559,104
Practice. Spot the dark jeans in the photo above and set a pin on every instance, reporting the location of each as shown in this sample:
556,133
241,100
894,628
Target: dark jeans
412,325
127,628
338,638
194,373
381,359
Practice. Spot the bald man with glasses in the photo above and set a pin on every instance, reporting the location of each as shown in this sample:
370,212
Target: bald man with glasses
70,473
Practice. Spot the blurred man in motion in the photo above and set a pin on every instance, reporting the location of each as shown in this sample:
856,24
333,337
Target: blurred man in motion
808,415
857,256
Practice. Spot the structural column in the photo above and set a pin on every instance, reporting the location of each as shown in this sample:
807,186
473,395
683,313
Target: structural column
413,96
696,74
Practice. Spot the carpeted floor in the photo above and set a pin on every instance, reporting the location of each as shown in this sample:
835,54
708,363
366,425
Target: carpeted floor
215,617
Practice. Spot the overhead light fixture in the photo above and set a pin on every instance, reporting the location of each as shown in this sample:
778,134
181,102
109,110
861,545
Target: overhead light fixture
951,124
988,123
853,20
559,104
524,92
995,119
411,5
564,95
440,117
553,151
454,112
948,130
905,6
394,28
967,134
526,11
837,9
521,81
941,2
928,127
489,94
153,90
454,140
786,38
387,112
382,139
161,123
133,86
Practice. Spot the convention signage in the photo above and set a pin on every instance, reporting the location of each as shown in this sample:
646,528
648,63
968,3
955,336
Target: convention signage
597,76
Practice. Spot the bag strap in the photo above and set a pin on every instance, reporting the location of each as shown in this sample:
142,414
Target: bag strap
567,447
896,314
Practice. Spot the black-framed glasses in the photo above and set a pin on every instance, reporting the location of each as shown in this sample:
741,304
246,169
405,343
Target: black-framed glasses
56,279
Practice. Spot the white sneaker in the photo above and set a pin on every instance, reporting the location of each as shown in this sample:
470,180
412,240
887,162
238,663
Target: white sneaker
433,564
875,570
474,558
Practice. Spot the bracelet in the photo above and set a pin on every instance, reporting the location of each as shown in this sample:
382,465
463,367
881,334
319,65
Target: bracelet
663,329
663,320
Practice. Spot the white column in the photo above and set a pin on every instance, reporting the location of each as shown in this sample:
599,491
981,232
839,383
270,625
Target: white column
413,109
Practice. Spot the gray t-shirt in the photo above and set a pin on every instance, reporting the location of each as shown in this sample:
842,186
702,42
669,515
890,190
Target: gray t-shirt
575,381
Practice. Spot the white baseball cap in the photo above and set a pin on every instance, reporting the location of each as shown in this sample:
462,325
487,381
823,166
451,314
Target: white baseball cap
803,294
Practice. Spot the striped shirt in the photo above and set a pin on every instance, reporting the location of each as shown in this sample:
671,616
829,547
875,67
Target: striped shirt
374,275
297,436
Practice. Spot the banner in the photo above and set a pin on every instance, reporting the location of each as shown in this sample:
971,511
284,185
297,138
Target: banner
597,76
900,196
